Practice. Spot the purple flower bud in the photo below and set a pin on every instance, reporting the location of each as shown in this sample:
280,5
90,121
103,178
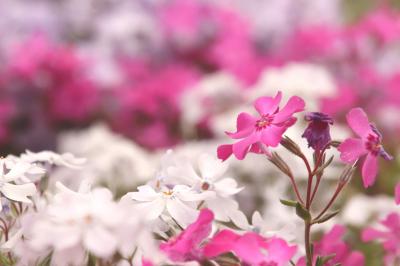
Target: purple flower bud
317,133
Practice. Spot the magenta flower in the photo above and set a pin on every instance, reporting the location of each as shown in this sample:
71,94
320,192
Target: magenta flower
369,144
266,129
317,133
187,245
332,243
251,248
390,237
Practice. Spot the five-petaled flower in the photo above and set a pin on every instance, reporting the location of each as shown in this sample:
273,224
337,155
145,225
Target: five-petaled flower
369,143
266,130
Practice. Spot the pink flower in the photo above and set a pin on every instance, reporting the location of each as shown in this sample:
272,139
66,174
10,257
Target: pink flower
187,245
250,248
369,144
390,237
332,243
266,129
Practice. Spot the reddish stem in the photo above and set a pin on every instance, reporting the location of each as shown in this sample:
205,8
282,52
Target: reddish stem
337,192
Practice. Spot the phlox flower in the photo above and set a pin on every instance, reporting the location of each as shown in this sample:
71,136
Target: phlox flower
208,174
250,248
265,130
14,184
369,143
332,243
389,236
65,159
187,245
317,133
75,222
178,201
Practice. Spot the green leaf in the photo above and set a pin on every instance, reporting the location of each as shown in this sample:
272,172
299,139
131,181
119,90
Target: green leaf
302,212
91,260
290,203
327,217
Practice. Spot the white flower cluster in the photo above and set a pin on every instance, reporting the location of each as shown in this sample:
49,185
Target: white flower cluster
181,188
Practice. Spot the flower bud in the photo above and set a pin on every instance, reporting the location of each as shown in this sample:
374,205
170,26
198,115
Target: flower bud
317,133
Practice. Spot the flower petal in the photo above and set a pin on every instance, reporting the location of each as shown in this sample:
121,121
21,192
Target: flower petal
100,242
19,192
369,170
351,149
294,105
358,121
241,148
272,135
244,125
224,151
183,214
211,168
144,193
268,105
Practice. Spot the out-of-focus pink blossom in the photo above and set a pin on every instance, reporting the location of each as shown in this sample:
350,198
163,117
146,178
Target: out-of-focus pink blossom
251,248
369,144
147,109
187,245
265,129
390,237
332,243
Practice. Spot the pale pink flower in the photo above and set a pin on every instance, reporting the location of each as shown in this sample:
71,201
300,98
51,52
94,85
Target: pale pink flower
390,237
369,144
266,129
251,248
332,243
187,245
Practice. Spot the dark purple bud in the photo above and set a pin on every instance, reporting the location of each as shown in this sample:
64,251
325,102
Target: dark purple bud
317,133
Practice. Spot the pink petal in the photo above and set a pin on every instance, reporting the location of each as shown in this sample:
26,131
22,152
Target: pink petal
355,258
369,170
279,251
371,234
241,148
351,149
268,105
397,193
248,250
224,151
221,243
245,125
272,135
358,121
294,105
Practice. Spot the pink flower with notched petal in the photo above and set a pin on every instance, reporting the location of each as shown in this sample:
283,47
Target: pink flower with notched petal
187,245
266,129
390,237
251,248
369,144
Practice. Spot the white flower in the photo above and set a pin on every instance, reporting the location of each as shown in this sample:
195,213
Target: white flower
11,174
209,177
178,201
65,159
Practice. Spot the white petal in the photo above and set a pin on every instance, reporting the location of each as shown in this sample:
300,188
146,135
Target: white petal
144,193
183,214
195,196
10,244
257,220
151,210
227,187
100,242
211,168
19,192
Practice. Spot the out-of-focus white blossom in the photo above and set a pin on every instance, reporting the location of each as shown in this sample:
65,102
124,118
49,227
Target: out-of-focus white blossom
111,159
294,79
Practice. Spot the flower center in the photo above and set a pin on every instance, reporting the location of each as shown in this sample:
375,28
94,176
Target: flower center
205,186
373,144
264,121
168,192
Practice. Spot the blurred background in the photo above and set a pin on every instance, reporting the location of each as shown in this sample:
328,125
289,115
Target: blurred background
121,81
